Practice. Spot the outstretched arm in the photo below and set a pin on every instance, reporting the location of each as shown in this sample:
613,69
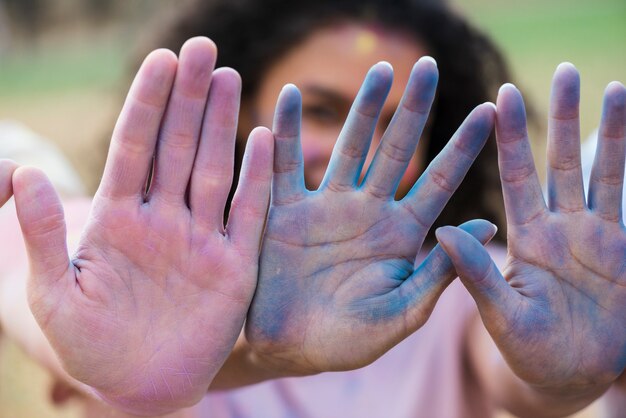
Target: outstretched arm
151,303
557,311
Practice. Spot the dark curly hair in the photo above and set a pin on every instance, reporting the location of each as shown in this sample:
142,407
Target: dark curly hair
253,34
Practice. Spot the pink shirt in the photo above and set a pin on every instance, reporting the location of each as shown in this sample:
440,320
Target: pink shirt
426,375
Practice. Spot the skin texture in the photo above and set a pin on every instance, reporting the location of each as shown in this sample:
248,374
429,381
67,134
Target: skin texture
556,312
338,264
150,305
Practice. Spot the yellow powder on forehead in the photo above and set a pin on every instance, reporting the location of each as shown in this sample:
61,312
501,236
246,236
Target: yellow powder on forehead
366,42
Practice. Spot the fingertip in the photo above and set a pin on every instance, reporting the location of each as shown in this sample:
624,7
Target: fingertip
7,167
159,67
617,87
565,92
422,86
226,84
287,115
480,229
290,95
507,89
486,112
491,105
511,112
199,55
382,67
379,77
427,60
566,69
228,73
199,43
566,66
479,124
444,234
263,136
161,58
613,120
426,73
615,94
426,67
260,148
34,194
26,177
509,97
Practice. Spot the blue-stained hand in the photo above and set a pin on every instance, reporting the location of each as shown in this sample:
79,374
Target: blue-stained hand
338,283
558,310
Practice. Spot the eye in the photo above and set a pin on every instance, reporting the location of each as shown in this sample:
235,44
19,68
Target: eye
322,113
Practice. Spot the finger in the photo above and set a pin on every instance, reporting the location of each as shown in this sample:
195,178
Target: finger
400,140
212,173
288,181
180,131
7,167
607,173
137,128
249,206
565,179
523,199
428,281
348,157
41,218
444,174
479,274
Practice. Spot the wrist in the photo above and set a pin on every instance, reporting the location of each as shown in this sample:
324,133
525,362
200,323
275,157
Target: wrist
555,400
145,404
246,366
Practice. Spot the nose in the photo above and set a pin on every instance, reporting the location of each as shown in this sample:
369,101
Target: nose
316,151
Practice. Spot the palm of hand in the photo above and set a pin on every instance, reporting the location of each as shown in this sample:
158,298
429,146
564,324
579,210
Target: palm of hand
350,254
156,299
572,316
158,290
558,318
337,264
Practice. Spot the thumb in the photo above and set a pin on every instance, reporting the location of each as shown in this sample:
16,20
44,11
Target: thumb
41,217
479,274
435,273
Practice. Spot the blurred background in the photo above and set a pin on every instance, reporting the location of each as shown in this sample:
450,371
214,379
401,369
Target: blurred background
65,66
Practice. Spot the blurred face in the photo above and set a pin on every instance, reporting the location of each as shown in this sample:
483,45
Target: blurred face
328,67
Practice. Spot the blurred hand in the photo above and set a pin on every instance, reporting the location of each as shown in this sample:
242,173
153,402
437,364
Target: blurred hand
558,311
151,303
7,167
338,283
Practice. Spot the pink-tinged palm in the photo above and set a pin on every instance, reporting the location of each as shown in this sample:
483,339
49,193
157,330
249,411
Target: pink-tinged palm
338,283
154,297
557,312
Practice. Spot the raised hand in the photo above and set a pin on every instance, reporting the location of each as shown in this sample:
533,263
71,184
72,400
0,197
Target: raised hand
338,283
150,305
558,311
7,167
